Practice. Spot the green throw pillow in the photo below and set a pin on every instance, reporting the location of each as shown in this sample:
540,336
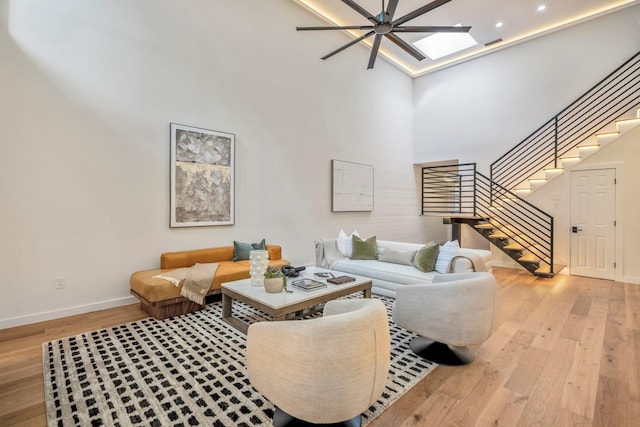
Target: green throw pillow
364,249
426,257
397,257
241,250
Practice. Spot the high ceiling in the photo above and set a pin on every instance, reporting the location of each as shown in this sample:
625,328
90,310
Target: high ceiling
521,20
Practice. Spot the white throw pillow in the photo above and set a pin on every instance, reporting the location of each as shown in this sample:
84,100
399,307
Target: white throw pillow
345,243
446,254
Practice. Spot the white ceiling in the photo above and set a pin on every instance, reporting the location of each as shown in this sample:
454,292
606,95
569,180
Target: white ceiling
521,21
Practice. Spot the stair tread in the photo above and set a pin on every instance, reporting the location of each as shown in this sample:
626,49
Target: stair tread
529,259
545,270
514,247
628,120
484,226
498,235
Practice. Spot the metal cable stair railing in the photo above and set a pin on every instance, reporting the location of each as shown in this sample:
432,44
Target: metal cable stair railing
464,195
603,103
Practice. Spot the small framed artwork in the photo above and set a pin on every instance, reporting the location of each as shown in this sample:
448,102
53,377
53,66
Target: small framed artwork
351,187
202,177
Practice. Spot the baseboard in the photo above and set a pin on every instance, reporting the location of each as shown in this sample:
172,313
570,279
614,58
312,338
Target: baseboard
65,312
632,280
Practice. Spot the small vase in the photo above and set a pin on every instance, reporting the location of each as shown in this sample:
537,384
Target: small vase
274,285
258,262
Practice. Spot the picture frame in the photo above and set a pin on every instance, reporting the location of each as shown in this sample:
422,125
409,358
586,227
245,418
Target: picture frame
202,177
351,187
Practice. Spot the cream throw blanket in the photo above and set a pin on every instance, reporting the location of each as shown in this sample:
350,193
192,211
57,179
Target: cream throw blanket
197,280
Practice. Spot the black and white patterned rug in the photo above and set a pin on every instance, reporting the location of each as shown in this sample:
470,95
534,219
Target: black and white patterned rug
184,371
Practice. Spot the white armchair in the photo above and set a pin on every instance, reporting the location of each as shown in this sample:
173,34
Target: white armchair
324,370
453,312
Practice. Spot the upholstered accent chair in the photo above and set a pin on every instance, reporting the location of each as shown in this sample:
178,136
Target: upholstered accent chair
450,314
325,370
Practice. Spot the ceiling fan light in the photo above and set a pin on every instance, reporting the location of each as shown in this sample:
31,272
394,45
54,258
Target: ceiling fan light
439,45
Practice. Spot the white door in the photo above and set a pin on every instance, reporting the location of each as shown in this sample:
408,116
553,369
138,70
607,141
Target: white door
593,214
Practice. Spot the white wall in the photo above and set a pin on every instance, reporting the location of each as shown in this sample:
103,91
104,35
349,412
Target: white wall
88,92
477,110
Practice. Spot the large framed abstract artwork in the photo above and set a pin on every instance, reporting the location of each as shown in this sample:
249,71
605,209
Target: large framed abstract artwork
351,187
202,177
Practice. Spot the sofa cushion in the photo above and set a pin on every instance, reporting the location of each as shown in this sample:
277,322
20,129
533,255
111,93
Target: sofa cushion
345,243
397,273
241,250
397,257
426,257
446,254
364,249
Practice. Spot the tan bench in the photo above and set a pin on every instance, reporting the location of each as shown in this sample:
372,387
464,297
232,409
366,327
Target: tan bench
161,299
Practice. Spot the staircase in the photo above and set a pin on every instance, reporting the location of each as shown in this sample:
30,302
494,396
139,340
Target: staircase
576,155
462,195
495,206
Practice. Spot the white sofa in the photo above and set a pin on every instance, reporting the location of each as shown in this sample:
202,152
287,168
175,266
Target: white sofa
387,277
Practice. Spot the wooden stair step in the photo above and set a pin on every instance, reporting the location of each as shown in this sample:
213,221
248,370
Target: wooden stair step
529,259
513,247
484,226
498,235
545,271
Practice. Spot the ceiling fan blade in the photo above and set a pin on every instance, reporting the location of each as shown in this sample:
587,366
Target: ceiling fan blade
391,9
351,43
405,46
362,11
430,29
374,51
420,11
349,27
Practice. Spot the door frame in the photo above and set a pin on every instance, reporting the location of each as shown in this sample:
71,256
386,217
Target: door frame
618,255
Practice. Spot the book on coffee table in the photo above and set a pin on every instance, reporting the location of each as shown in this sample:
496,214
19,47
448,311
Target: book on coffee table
341,280
308,284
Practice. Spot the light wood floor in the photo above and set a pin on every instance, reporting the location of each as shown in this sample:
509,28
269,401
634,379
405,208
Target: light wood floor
565,352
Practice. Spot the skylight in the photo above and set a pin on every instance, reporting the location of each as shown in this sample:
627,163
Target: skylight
438,45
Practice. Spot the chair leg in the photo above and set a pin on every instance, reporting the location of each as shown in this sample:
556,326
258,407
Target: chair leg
282,419
440,353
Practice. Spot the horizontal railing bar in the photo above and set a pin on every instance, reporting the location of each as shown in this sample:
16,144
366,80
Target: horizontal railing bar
571,105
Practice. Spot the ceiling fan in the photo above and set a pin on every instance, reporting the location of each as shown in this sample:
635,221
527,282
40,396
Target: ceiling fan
385,25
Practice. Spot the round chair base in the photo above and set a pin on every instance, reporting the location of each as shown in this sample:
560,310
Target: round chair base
440,353
282,419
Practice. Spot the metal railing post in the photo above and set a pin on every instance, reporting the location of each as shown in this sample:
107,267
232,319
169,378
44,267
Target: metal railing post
555,144
475,189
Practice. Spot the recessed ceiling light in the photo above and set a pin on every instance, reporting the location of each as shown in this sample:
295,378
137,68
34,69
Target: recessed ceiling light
541,8
499,24
437,45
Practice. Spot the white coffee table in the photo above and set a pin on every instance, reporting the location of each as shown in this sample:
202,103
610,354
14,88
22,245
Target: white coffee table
286,305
